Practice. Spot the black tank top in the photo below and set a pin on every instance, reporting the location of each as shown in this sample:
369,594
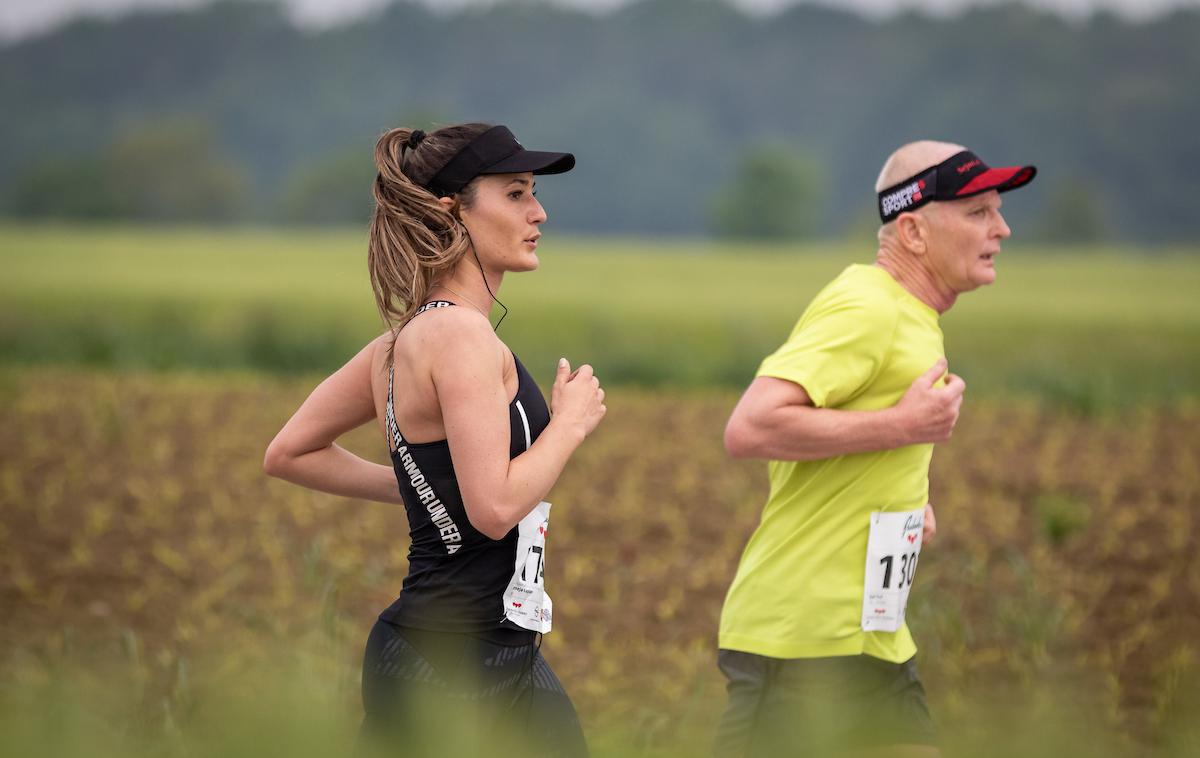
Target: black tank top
456,574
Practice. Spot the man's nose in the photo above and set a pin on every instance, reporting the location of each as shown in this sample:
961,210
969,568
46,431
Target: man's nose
1002,230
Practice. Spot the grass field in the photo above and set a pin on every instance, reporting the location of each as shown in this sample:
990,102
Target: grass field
162,597
1083,329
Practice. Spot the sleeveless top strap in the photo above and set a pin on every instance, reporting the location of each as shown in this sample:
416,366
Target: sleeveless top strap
430,305
393,432
395,440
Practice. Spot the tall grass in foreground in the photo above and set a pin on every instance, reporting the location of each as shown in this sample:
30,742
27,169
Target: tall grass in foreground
300,702
162,597
1082,329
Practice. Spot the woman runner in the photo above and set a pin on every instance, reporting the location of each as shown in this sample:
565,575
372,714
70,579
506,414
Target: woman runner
453,666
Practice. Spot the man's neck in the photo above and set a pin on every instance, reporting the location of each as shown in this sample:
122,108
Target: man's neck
910,273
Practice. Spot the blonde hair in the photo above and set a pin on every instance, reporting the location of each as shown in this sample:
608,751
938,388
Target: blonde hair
414,237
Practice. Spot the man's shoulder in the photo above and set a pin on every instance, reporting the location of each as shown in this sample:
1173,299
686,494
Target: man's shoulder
862,281
858,292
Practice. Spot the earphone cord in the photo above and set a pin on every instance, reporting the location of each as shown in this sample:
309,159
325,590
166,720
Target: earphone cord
528,668
489,289
532,684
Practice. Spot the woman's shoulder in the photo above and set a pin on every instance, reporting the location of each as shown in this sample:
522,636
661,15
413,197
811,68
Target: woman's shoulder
459,333
444,323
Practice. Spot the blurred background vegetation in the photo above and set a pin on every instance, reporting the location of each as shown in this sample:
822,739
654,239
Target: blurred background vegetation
183,203
672,107
1088,328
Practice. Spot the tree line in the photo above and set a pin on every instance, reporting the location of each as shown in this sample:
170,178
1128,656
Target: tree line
686,116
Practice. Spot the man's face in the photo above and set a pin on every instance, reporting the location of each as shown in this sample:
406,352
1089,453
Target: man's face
964,239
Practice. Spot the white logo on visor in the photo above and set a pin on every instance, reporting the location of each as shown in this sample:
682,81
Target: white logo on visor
901,198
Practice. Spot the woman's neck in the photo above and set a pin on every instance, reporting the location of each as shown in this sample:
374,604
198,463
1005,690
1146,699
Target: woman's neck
467,282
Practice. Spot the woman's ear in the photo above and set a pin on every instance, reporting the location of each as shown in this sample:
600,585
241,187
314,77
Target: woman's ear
452,206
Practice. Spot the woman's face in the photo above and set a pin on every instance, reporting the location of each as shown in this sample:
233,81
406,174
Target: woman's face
503,220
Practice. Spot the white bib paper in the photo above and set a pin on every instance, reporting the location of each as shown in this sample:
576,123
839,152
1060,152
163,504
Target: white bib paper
892,552
526,603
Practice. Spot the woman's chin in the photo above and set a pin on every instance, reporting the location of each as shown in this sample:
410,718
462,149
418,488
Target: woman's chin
527,262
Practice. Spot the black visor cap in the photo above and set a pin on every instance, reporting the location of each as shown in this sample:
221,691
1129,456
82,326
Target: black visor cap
496,151
537,161
959,176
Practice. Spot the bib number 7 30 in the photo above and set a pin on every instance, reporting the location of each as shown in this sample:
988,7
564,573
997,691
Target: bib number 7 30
893,549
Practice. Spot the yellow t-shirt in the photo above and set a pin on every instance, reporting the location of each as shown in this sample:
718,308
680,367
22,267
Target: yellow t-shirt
798,591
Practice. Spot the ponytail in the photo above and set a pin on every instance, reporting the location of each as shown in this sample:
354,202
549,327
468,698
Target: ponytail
414,237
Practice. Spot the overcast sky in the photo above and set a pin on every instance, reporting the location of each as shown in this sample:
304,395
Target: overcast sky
22,17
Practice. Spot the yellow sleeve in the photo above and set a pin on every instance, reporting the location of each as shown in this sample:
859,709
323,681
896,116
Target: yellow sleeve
838,346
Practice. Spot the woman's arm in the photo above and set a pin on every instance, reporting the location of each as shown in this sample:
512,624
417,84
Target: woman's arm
304,451
468,373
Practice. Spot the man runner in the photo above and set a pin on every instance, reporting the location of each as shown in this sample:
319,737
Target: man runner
813,640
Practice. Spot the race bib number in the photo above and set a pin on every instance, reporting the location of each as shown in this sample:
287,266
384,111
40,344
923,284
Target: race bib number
892,552
526,603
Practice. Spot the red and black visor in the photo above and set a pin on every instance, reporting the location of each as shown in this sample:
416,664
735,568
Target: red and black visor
496,151
961,175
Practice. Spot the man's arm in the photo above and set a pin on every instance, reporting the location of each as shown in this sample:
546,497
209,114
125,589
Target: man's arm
776,419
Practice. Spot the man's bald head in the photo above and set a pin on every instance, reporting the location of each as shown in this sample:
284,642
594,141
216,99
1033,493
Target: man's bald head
906,161
912,159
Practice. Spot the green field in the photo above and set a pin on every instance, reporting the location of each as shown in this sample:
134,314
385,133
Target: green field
1083,329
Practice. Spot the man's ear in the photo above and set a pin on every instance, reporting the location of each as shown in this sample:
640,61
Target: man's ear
913,232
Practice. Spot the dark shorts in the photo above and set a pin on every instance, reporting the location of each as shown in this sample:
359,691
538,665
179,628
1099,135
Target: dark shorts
818,706
438,694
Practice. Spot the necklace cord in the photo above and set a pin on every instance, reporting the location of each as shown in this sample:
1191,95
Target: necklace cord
470,302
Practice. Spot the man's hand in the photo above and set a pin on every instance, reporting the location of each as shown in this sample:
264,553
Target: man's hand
928,413
930,527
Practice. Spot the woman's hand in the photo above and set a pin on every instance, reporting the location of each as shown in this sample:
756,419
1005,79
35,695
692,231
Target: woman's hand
577,397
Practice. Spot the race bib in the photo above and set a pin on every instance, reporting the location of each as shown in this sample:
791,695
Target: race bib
892,552
526,603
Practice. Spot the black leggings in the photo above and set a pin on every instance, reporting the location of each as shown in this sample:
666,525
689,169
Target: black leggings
443,694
